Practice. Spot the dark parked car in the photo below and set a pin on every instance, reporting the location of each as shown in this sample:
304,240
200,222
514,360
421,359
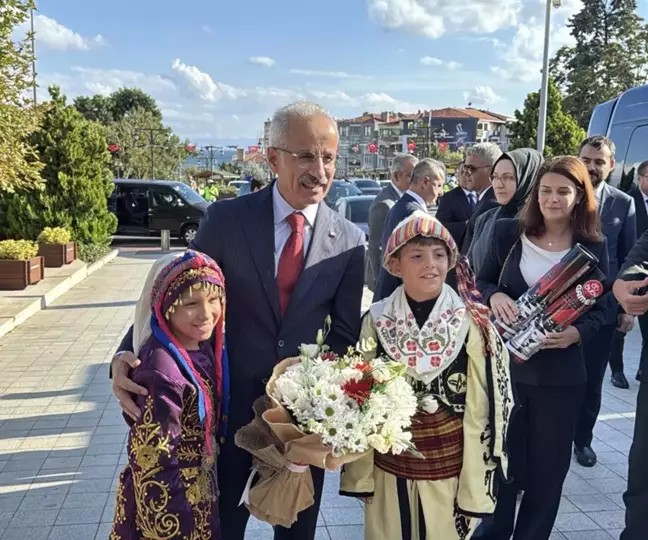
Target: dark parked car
339,189
356,210
146,207
368,186
625,120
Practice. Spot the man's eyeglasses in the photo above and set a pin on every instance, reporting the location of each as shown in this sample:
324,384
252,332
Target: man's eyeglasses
307,159
469,169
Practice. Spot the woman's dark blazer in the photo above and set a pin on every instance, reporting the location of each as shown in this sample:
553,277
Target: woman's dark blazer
549,367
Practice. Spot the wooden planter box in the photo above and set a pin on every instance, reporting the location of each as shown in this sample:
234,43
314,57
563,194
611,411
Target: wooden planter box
16,275
57,254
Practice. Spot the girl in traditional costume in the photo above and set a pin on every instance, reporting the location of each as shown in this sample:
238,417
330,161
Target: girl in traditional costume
168,490
458,366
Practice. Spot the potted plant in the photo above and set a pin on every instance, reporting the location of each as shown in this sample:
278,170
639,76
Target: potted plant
20,264
55,246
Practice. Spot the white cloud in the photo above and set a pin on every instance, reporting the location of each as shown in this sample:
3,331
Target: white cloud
522,59
198,106
434,18
482,95
262,61
53,35
431,61
332,74
207,29
202,83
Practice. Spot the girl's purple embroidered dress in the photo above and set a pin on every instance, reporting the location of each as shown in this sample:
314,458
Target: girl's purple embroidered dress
168,490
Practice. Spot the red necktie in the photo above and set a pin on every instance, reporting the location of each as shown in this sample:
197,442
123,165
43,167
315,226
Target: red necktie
291,260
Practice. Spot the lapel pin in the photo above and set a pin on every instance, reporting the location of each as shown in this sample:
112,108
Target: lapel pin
332,234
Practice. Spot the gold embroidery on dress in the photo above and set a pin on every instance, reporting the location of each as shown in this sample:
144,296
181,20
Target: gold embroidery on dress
120,505
196,478
153,519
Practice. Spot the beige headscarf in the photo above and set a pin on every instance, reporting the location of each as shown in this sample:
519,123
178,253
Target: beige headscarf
142,323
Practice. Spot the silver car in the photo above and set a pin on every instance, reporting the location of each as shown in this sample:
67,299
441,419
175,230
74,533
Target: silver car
356,210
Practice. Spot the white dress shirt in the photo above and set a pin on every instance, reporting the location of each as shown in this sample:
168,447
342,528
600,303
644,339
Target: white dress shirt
400,193
483,193
418,199
282,228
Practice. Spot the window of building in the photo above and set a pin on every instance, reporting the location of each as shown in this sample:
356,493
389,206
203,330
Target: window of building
368,130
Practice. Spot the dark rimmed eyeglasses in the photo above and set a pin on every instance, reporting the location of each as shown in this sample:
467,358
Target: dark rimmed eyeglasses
307,159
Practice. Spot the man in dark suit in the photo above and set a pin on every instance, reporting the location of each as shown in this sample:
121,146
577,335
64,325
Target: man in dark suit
259,240
480,159
426,184
630,291
380,207
617,211
640,195
456,207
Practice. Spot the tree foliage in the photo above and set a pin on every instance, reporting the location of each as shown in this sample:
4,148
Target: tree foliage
563,134
77,180
610,56
113,108
19,166
146,147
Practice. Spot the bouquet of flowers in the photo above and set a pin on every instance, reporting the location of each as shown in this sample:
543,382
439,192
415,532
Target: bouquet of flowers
558,298
323,410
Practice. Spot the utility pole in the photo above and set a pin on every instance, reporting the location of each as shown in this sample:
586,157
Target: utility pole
151,144
209,161
33,45
544,90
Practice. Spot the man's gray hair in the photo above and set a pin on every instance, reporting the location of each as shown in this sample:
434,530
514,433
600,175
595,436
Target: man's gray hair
400,159
487,151
301,110
428,167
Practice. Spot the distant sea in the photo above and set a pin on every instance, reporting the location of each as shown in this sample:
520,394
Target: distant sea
203,159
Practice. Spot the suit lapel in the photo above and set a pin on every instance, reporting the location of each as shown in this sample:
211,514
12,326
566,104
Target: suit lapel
260,239
642,214
325,234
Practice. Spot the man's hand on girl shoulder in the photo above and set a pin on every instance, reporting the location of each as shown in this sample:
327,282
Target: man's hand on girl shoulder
123,387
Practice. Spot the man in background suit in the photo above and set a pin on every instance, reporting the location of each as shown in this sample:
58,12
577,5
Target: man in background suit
425,187
289,262
630,291
401,171
617,211
456,207
480,159
640,195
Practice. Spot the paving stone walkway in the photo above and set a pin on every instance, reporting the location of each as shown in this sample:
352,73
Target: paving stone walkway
62,437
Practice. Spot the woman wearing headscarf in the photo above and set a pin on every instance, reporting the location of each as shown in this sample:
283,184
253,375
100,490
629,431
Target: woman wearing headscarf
512,179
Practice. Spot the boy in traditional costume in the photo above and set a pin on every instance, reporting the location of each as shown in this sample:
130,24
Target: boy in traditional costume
168,490
458,366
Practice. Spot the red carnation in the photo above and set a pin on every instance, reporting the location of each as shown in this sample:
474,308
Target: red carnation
359,390
363,367
329,356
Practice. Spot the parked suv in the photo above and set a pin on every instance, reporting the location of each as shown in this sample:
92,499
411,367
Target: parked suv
624,119
146,207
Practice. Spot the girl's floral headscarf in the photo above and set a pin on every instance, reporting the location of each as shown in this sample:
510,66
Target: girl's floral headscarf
189,272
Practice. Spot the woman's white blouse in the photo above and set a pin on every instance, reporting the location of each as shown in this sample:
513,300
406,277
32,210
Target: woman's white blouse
536,262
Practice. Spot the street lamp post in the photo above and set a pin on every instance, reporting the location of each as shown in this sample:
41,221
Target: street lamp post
544,90
33,44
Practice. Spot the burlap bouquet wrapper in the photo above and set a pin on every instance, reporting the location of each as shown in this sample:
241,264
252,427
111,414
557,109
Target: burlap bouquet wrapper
281,455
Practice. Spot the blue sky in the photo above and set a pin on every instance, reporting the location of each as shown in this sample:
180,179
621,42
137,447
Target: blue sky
219,69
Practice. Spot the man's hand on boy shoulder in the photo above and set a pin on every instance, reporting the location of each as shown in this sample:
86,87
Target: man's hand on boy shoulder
123,387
